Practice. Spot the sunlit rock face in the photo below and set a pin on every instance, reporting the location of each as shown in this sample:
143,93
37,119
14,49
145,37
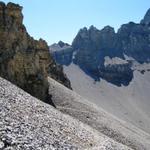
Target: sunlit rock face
23,60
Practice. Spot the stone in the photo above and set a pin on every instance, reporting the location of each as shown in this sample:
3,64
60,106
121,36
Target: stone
2,145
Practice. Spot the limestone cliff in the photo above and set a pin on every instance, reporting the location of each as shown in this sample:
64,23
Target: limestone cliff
24,61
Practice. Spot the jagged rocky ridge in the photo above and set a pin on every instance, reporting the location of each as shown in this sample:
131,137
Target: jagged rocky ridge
24,61
91,46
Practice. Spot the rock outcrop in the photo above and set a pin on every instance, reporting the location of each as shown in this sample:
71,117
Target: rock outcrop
134,41
117,74
92,46
24,61
62,53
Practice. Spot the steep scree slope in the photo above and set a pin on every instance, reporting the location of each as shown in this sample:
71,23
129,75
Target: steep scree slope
27,123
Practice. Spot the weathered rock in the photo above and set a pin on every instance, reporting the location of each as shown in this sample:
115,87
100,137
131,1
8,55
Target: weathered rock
62,53
117,74
134,41
85,43
56,72
23,60
62,44
92,46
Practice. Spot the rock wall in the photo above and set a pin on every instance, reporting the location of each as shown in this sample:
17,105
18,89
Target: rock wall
24,61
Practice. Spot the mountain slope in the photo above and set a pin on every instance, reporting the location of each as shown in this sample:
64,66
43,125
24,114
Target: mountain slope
130,103
27,123
112,69
87,112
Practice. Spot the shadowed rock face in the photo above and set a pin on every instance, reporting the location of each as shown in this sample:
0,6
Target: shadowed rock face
117,74
62,53
146,19
134,41
23,60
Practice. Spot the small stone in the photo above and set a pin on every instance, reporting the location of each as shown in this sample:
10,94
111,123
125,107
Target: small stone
1,145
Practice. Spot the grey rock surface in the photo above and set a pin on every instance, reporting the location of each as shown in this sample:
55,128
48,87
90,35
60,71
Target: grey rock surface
27,123
61,52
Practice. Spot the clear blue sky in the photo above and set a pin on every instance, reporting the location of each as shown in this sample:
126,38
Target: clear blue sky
55,20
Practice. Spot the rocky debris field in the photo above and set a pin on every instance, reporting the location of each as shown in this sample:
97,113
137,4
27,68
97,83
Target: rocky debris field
27,123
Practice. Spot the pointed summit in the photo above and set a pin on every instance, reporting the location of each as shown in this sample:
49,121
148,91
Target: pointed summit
146,19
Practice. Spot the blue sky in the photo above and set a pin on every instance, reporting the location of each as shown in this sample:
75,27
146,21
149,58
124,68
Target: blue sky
55,20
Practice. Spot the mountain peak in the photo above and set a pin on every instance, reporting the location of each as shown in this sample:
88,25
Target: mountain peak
108,29
13,12
62,44
146,19
92,27
84,29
